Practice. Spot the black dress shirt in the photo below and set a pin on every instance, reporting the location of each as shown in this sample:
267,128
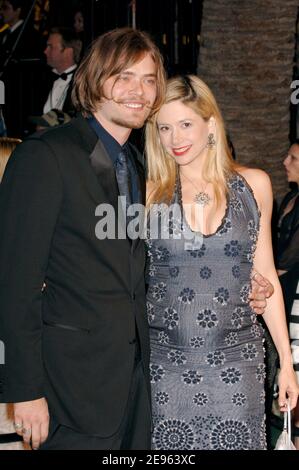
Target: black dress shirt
113,149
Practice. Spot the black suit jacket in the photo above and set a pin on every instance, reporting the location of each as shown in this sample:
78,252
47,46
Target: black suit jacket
73,342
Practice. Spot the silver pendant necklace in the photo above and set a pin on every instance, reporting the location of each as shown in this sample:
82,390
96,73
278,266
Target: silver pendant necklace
201,198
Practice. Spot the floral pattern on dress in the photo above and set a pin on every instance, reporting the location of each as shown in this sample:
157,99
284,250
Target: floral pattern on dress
152,270
163,337
150,312
200,399
205,272
232,249
160,253
231,375
158,291
230,434
236,271
253,230
221,296
162,398
256,331
231,338
174,271
244,293
215,358
177,357
260,373
239,399
196,342
207,318
249,352
191,377
186,295
235,204
225,228
170,318
251,252
237,184
156,373
198,252
173,434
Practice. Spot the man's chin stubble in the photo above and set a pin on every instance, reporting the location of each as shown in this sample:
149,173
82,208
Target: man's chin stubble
130,123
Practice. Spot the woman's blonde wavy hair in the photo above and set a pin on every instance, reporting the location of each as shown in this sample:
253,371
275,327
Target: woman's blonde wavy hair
162,168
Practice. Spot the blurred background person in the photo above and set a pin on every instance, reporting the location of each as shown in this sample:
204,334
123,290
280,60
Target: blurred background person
287,263
79,24
288,259
20,53
63,53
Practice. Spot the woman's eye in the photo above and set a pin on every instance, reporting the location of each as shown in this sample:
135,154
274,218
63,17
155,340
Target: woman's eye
163,128
187,124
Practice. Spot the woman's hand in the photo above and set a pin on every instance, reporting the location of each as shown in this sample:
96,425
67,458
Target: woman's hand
288,388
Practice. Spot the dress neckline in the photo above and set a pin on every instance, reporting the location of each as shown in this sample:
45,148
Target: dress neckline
204,235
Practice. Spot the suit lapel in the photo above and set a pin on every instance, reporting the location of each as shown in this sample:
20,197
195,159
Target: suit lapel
104,170
99,173
141,191
95,165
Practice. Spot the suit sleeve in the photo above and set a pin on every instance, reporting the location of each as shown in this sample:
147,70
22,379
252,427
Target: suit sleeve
30,198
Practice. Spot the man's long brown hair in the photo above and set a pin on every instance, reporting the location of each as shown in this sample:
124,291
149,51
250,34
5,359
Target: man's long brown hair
109,55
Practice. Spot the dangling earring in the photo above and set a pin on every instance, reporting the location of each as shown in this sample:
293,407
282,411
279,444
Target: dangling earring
211,141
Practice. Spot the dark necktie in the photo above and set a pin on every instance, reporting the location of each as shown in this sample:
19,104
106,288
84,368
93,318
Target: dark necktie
123,177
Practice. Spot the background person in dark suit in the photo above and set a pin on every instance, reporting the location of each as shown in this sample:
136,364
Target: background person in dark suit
78,350
62,51
20,73
63,55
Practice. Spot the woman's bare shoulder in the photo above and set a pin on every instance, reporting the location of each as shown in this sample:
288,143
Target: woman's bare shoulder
259,181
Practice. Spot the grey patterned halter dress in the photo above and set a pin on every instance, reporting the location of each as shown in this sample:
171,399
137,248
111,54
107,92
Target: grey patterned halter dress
207,356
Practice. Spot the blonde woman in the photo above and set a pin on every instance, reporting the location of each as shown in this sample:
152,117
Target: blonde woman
208,229
7,430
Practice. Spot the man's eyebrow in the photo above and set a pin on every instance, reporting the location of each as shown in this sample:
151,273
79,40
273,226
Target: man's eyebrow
127,72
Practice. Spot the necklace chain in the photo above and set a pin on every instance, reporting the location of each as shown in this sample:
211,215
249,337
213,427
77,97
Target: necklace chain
201,197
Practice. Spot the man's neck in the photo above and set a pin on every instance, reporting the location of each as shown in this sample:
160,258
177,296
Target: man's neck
65,68
119,133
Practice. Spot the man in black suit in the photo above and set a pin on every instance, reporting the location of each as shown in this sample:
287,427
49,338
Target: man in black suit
72,306
77,349
22,45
